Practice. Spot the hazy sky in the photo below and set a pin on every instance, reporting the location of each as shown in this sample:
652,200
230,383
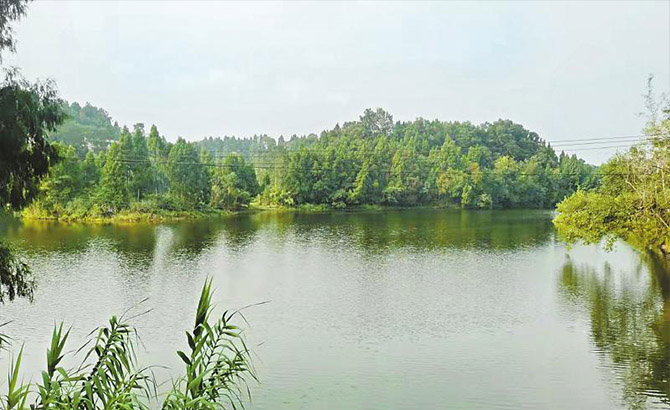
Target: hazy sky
564,70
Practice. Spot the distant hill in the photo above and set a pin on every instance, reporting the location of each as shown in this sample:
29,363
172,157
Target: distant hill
87,128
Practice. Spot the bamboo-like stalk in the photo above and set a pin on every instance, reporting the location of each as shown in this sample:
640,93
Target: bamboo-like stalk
217,369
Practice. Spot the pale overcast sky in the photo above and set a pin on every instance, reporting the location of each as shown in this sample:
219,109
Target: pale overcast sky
565,70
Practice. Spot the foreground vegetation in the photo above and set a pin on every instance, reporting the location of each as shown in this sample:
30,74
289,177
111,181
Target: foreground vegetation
633,202
217,368
28,111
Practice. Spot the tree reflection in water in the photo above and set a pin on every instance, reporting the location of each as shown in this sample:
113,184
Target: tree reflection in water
16,279
630,324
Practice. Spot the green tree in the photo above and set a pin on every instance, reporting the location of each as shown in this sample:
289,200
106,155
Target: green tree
376,123
64,181
27,113
10,11
505,176
114,189
364,185
187,175
407,173
90,171
633,202
159,150
157,145
369,161
142,178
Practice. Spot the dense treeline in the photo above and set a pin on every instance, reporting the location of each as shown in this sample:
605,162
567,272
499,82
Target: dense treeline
633,201
377,161
372,161
142,173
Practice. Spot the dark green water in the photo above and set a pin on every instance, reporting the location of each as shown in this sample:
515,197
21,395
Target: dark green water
421,309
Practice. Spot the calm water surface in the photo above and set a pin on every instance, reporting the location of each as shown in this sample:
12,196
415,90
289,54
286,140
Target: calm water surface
420,309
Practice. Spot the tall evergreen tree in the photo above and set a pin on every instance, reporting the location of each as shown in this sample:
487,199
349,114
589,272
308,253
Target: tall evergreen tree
187,175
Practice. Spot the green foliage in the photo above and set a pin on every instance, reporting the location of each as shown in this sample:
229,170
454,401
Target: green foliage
10,11
189,180
108,377
372,161
86,128
233,184
27,113
142,178
17,391
15,277
217,366
250,148
592,216
159,149
114,190
633,202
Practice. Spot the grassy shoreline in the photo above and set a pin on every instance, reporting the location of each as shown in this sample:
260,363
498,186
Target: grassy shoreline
159,216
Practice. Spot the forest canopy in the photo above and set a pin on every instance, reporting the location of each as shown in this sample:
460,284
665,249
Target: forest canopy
374,160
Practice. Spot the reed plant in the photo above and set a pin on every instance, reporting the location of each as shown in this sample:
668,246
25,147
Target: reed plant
217,369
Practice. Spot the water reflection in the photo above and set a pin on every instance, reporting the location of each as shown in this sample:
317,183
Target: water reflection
630,324
426,229
367,231
359,300
133,242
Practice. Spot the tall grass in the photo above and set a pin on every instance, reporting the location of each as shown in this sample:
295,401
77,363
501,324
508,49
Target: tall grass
217,369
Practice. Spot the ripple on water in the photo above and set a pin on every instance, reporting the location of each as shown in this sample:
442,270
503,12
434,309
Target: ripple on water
383,310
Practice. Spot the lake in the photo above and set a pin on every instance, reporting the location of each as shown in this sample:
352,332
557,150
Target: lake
407,309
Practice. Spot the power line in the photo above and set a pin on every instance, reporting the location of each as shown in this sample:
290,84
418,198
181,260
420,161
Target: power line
603,148
598,142
552,143
318,168
557,148
278,154
607,138
312,149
